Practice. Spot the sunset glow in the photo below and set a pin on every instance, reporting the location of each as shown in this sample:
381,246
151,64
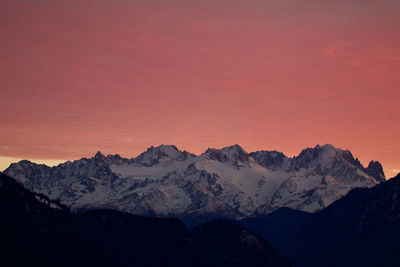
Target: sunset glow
119,76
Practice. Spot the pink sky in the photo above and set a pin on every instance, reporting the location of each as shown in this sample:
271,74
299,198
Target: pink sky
119,76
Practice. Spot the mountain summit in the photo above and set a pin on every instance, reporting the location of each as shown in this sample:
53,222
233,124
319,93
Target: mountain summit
227,182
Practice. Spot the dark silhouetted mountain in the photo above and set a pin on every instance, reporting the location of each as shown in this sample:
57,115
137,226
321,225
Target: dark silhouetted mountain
276,226
375,169
36,231
220,183
221,238
361,229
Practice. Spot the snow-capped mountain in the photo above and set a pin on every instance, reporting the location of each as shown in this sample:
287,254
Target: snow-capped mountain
227,182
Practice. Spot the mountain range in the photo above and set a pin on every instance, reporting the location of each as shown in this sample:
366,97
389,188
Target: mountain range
320,208
220,183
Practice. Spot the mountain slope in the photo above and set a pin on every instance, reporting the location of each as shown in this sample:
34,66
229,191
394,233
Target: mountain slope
276,226
228,182
34,234
361,229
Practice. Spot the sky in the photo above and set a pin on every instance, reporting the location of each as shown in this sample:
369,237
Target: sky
118,76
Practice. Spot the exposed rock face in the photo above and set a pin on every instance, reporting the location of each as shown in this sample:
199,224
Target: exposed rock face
227,182
375,169
272,160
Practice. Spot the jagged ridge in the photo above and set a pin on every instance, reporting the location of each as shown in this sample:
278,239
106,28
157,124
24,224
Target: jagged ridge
227,182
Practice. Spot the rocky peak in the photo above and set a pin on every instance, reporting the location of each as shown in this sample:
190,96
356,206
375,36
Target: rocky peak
309,156
375,170
216,154
98,155
269,159
236,152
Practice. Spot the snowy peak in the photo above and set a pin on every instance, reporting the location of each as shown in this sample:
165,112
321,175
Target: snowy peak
234,153
332,161
323,157
234,149
327,147
162,154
